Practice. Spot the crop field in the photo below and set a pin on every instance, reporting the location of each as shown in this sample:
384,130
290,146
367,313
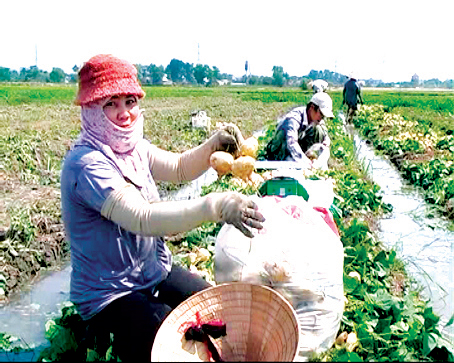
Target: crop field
384,310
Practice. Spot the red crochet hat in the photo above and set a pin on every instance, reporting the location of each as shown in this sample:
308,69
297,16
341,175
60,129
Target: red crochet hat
104,76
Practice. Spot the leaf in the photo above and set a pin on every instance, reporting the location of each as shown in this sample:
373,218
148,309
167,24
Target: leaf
361,254
451,320
400,330
365,335
382,299
350,284
383,328
381,257
346,321
430,341
51,330
92,356
349,357
380,270
410,310
392,257
109,355
430,318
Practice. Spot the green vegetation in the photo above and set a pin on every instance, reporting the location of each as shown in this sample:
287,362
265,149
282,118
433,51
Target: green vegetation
180,73
384,308
423,101
422,148
24,93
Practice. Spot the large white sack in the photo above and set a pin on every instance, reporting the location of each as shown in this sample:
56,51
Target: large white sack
299,255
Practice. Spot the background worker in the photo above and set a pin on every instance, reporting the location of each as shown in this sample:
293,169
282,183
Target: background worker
319,85
351,97
123,280
302,136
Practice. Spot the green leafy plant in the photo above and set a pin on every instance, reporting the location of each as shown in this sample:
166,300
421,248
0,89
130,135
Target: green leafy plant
65,334
21,228
421,147
12,344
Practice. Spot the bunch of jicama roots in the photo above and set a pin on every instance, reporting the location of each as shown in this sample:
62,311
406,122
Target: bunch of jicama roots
241,165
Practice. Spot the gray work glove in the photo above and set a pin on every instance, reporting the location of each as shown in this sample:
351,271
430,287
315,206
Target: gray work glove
228,138
237,209
194,162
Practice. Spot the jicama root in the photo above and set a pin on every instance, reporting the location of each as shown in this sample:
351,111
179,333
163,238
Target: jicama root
243,167
249,147
222,162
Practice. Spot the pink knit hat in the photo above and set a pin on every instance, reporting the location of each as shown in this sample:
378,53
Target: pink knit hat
104,76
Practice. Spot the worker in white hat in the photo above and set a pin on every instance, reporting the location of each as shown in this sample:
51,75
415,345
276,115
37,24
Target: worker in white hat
301,135
319,85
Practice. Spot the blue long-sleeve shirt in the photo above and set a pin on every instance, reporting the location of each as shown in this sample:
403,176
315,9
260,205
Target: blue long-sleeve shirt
296,126
107,261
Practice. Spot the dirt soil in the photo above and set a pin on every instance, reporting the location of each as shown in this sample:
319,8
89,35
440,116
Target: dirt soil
22,263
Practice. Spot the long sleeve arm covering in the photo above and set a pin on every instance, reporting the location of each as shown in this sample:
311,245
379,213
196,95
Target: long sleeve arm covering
175,167
131,211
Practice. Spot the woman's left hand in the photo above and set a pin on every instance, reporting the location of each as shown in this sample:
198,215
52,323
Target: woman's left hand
228,138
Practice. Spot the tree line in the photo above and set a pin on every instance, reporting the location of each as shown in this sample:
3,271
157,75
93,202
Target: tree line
176,72
179,72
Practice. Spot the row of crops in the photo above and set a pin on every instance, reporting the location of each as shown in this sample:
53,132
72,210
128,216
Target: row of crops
384,307
422,148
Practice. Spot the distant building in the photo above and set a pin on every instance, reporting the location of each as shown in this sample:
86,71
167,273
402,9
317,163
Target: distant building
415,80
166,81
223,82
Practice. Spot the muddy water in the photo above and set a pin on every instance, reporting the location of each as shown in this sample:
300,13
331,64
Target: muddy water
425,244
26,314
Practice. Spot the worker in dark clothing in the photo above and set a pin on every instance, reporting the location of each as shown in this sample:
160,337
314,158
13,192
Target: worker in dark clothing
351,97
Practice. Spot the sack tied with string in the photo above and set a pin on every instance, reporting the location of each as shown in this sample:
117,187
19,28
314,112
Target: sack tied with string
299,254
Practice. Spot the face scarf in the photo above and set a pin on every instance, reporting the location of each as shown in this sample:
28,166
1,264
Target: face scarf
116,143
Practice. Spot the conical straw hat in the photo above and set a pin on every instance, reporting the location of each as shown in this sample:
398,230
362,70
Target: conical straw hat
261,326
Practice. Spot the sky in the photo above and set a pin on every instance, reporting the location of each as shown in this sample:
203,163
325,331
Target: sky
387,40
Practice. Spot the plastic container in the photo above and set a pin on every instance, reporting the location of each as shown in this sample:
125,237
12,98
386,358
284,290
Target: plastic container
283,186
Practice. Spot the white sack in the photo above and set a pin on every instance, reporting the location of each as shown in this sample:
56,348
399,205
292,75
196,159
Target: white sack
297,254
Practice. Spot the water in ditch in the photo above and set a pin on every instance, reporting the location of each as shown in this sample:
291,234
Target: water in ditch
425,244
422,242
27,312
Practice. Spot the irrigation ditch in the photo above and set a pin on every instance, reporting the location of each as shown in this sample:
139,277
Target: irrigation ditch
426,245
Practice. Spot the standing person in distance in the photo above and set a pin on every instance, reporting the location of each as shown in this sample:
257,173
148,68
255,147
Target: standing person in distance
122,278
351,97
